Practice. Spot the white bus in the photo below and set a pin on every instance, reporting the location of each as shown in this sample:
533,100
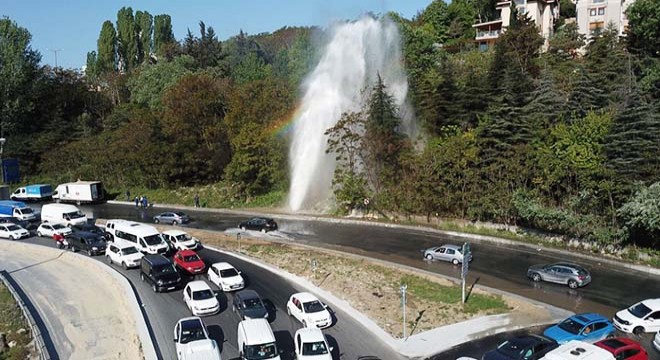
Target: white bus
144,237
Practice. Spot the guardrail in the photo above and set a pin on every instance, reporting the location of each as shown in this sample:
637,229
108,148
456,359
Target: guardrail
45,352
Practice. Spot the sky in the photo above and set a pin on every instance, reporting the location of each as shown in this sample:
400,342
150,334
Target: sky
69,29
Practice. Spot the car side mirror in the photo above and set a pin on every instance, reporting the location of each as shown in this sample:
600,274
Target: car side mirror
240,272
331,349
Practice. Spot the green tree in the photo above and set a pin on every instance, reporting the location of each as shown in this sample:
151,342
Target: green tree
127,39
107,49
163,34
439,102
145,28
585,94
609,64
150,82
643,33
435,16
90,65
641,216
206,49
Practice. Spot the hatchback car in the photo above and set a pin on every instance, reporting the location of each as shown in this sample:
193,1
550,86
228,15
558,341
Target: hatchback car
90,243
623,349
248,305
583,327
259,224
172,217
189,261
307,309
48,230
200,299
93,229
226,277
448,252
531,347
179,240
125,255
310,343
639,318
574,276
13,232
192,341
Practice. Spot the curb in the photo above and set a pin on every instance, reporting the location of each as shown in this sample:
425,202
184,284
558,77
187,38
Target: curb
647,269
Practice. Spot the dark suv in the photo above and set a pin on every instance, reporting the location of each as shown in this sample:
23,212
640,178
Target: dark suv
248,305
159,272
91,243
259,224
92,229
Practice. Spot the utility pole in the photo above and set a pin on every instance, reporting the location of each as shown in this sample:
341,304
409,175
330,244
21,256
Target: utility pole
403,289
55,51
465,264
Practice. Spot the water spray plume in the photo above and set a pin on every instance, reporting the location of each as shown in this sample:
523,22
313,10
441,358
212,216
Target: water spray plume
355,53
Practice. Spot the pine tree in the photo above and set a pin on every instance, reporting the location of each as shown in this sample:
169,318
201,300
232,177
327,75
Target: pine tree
107,49
144,22
439,104
546,104
608,63
585,95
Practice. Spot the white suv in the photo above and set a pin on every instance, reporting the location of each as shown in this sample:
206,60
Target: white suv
48,230
127,256
311,344
13,231
200,299
226,277
192,340
309,310
179,240
639,318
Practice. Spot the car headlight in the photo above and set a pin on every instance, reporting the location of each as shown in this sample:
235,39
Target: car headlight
159,282
189,268
624,322
95,248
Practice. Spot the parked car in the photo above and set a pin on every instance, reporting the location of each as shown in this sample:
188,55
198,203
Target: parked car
259,224
583,327
624,349
192,340
13,232
447,252
158,271
189,262
226,277
93,229
200,299
248,305
172,217
310,343
92,244
530,347
125,255
48,230
579,350
307,309
561,273
639,318
179,240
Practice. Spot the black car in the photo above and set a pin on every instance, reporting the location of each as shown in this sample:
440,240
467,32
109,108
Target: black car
159,272
92,229
22,223
530,347
259,224
248,305
91,243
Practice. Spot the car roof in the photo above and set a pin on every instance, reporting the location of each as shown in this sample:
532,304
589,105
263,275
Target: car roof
451,246
527,340
305,297
570,265
186,252
578,350
198,285
156,259
259,331
653,304
222,266
192,322
247,294
261,218
588,318
87,234
174,232
616,343
7,224
310,334
122,246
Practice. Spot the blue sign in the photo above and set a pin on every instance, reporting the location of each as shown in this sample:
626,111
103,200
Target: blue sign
10,172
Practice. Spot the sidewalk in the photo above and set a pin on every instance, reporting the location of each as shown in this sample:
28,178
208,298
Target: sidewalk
86,310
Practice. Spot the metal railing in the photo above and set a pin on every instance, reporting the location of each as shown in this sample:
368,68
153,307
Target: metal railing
35,329
490,34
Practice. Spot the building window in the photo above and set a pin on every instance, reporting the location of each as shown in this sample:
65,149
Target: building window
592,12
483,46
596,27
597,1
522,10
601,11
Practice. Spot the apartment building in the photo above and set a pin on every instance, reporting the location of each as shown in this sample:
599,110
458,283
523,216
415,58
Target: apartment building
595,15
542,12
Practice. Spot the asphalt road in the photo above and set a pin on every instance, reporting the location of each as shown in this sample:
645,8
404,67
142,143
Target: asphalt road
349,339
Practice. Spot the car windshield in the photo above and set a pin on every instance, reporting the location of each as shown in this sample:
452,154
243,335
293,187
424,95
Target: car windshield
13,227
27,211
313,306
75,215
228,273
510,350
253,303
59,227
639,310
153,239
180,214
192,334
191,258
571,326
258,352
129,250
167,269
183,237
96,240
203,294
314,348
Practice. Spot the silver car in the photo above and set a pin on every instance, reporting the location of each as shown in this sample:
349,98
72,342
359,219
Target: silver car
451,253
172,217
561,273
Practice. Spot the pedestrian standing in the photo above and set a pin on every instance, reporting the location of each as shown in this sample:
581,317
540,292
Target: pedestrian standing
137,201
145,202
196,200
141,200
128,195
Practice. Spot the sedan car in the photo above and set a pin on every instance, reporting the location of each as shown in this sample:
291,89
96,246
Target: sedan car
639,318
531,347
48,230
226,277
172,217
311,344
200,299
448,252
192,340
125,255
583,327
248,305
307,309
624,349
189,261
179,240
259,224
561,273
13,232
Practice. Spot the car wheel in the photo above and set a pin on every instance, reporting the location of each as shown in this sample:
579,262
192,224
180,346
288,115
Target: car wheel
639,331
156,221
536,277
429,257
123,264
73,249
154,288
243,228
455,261
288,310
572,284
107,257
12,237
174,222
89,252
142,276
233,308
263,231
39,234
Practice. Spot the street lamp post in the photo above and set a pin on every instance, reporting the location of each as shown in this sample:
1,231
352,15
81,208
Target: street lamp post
238,238
2,168
403,289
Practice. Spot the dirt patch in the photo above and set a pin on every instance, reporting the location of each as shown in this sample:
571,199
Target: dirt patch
14,330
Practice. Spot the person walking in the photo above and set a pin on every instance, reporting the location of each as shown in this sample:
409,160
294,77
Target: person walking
137,201
196,200
128,195
145,202
141,200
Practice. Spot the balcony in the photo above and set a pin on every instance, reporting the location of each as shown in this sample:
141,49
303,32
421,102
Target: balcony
487,34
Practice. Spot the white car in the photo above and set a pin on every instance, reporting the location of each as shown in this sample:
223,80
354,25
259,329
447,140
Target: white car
639,318
656,341
200,299
179,240
311,344
309,310
226,277
48,230
192,341
13,231
125,255
578,350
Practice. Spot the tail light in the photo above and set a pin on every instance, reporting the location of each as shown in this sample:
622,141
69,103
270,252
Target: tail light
581,277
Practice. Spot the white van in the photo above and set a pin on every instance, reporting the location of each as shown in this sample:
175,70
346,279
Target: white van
144,237
62,214
256,340
578,350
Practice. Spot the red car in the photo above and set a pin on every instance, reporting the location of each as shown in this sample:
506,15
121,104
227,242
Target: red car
624,349
189,261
